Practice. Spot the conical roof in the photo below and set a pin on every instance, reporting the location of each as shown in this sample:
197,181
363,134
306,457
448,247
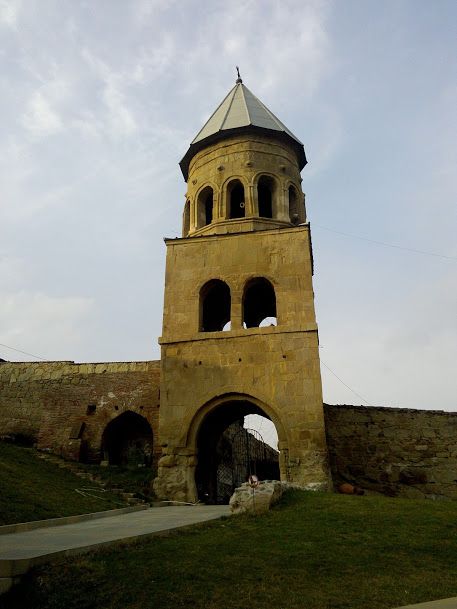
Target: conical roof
240,111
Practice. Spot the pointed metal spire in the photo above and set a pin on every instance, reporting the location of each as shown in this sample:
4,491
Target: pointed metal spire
240,111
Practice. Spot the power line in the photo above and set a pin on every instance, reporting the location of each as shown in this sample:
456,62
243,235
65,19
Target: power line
398,247
24,352
350,388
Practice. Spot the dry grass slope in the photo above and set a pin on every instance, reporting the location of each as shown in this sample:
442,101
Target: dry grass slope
32,489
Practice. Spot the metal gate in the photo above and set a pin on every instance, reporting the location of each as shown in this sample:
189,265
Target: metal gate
246,457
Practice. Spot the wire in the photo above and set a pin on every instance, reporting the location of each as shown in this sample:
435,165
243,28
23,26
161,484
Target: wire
24,352
350,388
399,247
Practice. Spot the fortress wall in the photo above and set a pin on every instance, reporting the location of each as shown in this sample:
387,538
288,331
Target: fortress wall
21,396
49,401
405,452
396,451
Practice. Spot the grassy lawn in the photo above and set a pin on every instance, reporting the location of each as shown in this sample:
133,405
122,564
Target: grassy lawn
31,489
315,551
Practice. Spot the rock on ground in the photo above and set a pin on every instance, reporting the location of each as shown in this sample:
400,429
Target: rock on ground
260,498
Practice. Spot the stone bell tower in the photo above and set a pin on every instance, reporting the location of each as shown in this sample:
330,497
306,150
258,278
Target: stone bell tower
239,328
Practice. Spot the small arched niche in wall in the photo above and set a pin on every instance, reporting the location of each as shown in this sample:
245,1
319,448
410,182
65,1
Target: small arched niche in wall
259,304
215,306
236,200
205,204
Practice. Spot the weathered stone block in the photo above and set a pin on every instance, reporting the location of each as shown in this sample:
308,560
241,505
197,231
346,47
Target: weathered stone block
256,500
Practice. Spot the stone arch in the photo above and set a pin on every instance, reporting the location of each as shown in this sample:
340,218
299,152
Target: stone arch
128,440
192,425
297,213
267,191
235,197
208,431
215,306
259,303
206,205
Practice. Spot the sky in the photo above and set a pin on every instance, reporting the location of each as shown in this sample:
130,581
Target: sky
99,102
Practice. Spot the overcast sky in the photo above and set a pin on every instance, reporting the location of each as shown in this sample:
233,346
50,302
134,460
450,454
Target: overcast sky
99,101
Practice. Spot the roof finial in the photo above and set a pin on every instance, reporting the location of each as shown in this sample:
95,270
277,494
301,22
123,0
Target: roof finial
238,80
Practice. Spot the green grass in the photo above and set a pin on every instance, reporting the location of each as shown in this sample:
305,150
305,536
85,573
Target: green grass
131,479
316,551
32,489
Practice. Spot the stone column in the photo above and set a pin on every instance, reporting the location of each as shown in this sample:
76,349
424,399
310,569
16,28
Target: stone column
176,476
193,216
283,205
237,320
252,206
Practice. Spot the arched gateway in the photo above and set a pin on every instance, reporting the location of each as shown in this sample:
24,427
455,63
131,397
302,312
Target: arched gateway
210,378
227,452
127,440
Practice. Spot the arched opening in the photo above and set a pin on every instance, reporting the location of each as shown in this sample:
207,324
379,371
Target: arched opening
259,303
128,440
215,306
229,451
297,212
205,204
186,219
265,193
236,199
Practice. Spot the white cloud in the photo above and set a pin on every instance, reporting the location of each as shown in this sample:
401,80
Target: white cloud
144,10
47,326
40,118
117,118
12,272
120,117
9,10
154,59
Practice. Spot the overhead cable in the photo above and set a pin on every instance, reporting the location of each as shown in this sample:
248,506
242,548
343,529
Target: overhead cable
399,247
350,388
24,352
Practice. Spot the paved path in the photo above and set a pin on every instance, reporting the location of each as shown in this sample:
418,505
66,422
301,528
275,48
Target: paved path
20,551
445,603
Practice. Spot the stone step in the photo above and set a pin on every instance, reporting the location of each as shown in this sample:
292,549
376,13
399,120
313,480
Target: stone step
73,467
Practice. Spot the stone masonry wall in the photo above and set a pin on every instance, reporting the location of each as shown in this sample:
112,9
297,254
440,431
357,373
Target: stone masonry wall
49,401
404,452
395,451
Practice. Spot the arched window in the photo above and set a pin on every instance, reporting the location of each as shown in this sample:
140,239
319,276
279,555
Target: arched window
293,206
205,207
215,306
259,303
265,193
297,212
235,199
186,219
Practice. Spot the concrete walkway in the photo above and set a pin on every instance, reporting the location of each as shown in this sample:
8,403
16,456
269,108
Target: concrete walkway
20,551
445,603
